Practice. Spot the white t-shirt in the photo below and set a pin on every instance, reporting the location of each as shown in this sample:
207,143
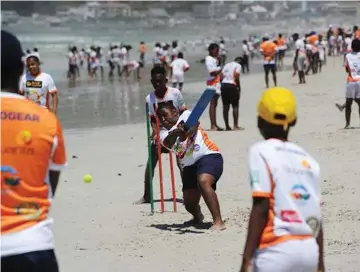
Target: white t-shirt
352,62
158,53
231,72
222,50
38,89
178,66
193,149
72,58
133,65
287,175
300,45
172,95
348,42
245,49
212,66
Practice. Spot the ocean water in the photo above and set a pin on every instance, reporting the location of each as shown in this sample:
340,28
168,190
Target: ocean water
104,102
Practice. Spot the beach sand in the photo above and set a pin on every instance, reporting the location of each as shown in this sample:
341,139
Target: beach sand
97,228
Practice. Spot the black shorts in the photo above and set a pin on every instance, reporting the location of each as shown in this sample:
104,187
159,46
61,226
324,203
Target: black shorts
72,68
270,67
282,53
211,164
230,94
37,261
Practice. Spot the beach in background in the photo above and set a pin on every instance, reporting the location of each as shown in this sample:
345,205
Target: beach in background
97,228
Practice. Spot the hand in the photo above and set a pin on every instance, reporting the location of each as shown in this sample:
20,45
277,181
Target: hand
245,267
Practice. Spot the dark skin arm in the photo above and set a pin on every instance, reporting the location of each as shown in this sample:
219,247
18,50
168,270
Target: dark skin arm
54,180
319,240
257,222
180,132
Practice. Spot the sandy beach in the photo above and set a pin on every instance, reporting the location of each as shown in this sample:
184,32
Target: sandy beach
97,228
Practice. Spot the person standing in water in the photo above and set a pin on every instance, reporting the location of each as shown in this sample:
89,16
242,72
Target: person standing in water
213,81
178,68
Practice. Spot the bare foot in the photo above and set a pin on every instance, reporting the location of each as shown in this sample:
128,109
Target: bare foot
347,126
218,227
142,200
228,128
196,220
340,107
238,128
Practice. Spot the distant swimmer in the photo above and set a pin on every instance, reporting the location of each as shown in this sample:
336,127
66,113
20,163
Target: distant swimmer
202,163
178,68
269,49
38,86
213,81
161,94
352,67
285,232
300,58
230,92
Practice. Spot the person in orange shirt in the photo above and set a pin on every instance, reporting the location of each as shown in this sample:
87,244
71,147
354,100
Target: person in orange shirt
32,156
356,32
268,48
281,43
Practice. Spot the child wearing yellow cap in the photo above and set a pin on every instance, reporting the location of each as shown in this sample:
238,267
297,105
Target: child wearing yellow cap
285,227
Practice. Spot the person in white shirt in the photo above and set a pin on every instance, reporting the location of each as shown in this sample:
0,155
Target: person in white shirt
213,81
352,67
38,86
123,59
178,67
230,92
245,56
134,66
300,58
157,55
201,159
285,230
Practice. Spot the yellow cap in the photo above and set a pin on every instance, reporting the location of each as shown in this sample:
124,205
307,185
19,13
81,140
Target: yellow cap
277,101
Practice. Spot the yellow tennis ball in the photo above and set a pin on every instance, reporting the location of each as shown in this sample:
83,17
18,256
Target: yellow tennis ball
87,178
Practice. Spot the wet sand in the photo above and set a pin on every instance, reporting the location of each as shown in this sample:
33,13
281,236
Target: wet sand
98,229
99,103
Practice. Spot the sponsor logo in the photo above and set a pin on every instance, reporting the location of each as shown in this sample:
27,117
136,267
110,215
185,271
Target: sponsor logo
31,211
290,216
33,84
196,147
7,173
23,140
299,193
305,164
19,116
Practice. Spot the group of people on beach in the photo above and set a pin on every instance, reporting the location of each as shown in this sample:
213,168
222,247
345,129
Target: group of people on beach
285,223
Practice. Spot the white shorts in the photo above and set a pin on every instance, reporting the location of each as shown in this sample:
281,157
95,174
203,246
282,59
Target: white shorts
353,90
290,256
177,78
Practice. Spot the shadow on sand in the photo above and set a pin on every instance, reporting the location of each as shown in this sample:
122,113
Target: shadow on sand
183,228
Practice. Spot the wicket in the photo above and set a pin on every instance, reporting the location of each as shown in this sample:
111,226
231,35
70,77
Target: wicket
158,146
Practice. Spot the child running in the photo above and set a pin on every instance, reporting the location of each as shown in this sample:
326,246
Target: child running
285,229
201,160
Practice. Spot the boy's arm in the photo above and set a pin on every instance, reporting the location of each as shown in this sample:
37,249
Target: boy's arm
172,136
319,240
261,184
